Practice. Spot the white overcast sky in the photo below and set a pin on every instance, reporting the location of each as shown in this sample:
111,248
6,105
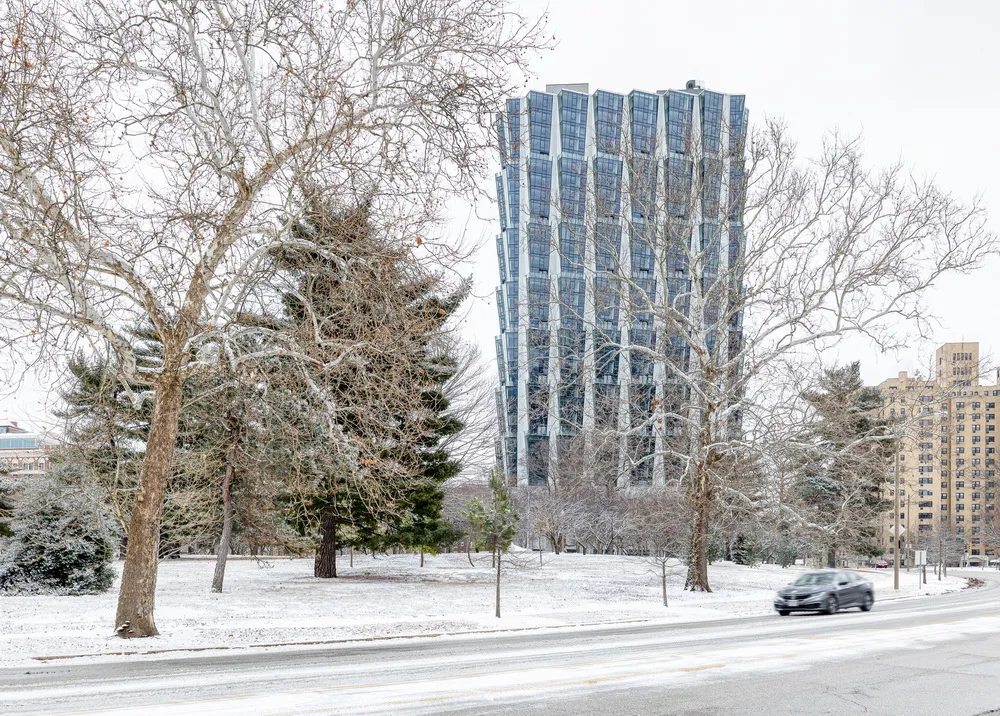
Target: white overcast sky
919,78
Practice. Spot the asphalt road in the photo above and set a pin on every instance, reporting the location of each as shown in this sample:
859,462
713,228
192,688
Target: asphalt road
934,655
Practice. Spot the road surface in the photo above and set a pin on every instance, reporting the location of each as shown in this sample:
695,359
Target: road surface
933,655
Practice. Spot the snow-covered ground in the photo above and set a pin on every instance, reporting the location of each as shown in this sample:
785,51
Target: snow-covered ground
280,602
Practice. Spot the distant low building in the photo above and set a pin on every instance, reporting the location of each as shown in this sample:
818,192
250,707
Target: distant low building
23,453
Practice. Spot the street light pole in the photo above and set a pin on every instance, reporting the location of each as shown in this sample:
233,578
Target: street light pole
895,530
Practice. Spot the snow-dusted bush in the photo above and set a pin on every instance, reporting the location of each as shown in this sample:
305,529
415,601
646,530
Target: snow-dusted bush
61,541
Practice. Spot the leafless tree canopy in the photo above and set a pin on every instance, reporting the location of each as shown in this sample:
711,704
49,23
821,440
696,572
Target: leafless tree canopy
153,155
739,272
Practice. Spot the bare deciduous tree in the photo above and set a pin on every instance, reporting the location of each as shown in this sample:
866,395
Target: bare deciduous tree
151,156
746,265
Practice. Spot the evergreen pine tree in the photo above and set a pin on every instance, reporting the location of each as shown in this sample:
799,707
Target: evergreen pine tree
372,474
849,462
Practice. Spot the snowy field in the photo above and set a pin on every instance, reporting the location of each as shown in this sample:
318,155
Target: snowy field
279,602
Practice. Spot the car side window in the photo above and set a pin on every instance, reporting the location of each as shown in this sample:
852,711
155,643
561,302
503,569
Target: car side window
844,578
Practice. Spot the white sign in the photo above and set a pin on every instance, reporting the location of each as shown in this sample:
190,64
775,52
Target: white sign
920,557
892,530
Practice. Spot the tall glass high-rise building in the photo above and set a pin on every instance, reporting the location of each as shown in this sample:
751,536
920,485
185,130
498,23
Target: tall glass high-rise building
610,207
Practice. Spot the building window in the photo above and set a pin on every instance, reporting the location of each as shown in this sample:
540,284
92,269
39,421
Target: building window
573,122
608,121
644,108
540,121
711,120
680,106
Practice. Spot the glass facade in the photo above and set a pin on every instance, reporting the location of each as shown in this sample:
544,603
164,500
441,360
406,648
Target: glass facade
540,122
608,121
573,122
630,206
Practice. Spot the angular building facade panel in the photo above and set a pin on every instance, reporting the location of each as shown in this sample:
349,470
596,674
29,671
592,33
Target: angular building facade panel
604,198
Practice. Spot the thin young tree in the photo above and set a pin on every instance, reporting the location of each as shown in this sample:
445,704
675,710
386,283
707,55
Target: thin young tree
495,525
151,156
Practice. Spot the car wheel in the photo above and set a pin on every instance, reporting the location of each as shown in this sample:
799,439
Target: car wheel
832,605
783,612
866,602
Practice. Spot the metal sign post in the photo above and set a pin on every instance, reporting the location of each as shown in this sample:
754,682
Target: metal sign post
920,559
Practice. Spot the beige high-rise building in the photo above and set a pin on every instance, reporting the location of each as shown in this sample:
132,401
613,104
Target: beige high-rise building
946,464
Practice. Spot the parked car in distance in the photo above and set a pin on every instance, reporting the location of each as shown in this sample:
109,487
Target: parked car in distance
826,590
882,564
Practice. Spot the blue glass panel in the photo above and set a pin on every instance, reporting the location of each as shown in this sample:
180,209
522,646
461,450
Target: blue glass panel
501,311
642,255
606,355
572,239
711,187
513,253
711,258
607,301
19,443
503,371
571,406
644,106
538,355
511,287
608,183
737,123
510,338
511,392
607,244
573,122
538,301
735,243
711,120
737,189
679,182
643,179
514,128
540,121
608,121
539,187
511,450
501,139
500,259
501,203
539,247
538,454
680,106
572,187
514,192
571,301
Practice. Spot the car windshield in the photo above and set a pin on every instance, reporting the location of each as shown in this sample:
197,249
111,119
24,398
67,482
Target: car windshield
814,578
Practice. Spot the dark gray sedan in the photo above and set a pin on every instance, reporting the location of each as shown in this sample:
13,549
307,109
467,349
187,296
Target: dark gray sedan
827,591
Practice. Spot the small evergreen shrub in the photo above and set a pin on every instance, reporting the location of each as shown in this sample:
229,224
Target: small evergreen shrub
61,542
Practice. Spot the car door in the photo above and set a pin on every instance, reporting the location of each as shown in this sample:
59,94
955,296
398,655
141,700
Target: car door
847,589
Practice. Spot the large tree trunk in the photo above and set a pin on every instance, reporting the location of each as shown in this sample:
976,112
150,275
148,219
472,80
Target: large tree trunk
496,553
701,505
325,565
468,551
663,575
227,514
831,557
138,590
